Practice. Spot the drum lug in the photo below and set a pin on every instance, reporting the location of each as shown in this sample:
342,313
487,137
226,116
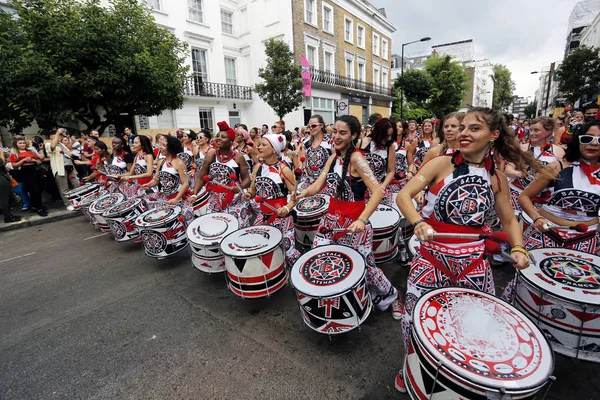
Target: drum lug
551,380
437,371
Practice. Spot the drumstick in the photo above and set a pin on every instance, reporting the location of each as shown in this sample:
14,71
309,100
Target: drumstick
494,248
234,178
499,236
297,174
260,200
207,178
324,230
581,228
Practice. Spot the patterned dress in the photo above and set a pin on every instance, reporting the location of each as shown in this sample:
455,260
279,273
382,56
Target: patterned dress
377,156
420,153
316,158
400,174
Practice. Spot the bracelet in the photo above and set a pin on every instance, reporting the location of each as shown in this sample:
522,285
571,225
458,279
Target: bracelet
537,219
417,223
519,249
194,196
361,220
286,209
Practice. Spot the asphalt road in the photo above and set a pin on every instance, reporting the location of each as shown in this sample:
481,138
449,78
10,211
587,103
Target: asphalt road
83,316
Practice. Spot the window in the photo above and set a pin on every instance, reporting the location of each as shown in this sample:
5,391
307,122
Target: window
310,12
328,61
234,118
376,78
384,78
311,55
199,64
384,49
230,77
226,22
327,18
394,63
349,68
375,44
154,4
206,119
360,36
195,11
165,120
348,37
361,71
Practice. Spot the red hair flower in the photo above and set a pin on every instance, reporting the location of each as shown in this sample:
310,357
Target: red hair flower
280,138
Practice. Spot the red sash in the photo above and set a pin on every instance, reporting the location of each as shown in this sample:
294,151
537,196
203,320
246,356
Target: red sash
220,189
277,203
348,209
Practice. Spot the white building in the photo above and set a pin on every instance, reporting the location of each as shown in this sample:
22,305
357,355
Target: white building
546,101
591,36
582,17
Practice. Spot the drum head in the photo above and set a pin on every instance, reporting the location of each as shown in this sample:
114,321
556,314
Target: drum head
312,206
158,216
384,216
414,244
89,199
569,274
327,271
105,202
211,228
80,190
122,207
482,339
251,242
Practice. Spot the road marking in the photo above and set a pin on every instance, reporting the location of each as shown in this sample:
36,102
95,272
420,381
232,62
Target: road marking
92,237
14,258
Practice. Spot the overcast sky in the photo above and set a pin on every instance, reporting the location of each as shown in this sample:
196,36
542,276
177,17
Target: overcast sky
525,35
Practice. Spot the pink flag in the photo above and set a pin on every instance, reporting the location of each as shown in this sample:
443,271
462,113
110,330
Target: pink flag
306,82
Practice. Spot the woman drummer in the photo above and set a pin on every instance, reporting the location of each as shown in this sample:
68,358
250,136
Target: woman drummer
99,170
245,145
447,134
315,151
380,153
204,138
121,161
170,173
418,148
574,196
403,163
141,171
463,188
348,177
220,166
272,180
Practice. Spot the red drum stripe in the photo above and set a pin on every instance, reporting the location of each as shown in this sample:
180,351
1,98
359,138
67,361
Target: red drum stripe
262,293
257,279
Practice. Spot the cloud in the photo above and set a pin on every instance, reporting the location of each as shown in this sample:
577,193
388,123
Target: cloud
526,35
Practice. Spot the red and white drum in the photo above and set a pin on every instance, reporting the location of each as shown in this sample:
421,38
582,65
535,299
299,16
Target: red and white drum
205,235
331,287
99,206
121,219
414,245
75,196
561,293
526,221
467,344
162,231
385,221
309,212
84,206
406,228
255,261
201,204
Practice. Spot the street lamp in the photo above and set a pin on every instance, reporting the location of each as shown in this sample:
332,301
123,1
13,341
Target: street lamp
425,39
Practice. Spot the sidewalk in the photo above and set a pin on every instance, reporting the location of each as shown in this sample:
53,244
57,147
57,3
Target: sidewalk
56,212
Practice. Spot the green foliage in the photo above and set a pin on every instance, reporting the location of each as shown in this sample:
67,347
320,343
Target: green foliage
579,73
416,112
448,83
531,109
504,87
373,118
282,86
416,84
65,60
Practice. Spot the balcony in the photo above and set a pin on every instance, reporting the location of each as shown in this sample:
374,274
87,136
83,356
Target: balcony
330,79
196,87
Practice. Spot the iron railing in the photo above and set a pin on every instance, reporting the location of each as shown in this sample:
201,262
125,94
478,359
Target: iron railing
196,86
331,79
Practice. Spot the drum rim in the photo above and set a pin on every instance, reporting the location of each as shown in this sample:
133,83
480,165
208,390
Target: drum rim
362,276
396,223
318,211
144,224
196,222
109,214
102,197
569,300
451,367
248,256
81,189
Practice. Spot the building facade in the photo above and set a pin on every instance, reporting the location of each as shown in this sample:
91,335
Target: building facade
547,96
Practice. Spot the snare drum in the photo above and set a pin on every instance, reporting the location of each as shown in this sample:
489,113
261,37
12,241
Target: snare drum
121,219
75,196
309,212
84,206
467,344
385,221
331,287
162,231
561,293
255,261
414,245
201,204
205,235
98,207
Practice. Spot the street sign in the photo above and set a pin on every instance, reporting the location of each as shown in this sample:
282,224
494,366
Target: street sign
342,107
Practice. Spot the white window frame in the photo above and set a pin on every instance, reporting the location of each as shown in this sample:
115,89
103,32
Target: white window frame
376,73
225,11
205,59
315,62
154,4
385,76
361,61
360,27
235,78
331,19
376,44
332,53
194,11
349,57
384,48
210,120
350,39
313,12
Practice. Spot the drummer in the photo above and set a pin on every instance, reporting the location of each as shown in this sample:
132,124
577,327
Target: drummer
463,190
574,186
272,180
219,165
380,153
100,154
190,150
121,161
315,150
447,134
203,141
419,147
348,177
403,163
141,171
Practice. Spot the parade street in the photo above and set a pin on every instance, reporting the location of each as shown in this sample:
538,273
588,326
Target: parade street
86,317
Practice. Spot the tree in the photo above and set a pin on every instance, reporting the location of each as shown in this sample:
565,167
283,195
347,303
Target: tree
416,84
414,111
282,86
448,80
67,60
531,109
579,73
504,87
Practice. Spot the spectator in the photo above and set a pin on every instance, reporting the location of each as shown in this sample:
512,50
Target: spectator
60,160
265,129
47,180
25,160
589,112
6,192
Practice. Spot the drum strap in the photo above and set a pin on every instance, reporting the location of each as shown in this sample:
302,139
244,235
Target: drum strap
219,189
444,270
277,203
443,227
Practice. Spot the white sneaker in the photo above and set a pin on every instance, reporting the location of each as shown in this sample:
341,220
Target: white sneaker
70,208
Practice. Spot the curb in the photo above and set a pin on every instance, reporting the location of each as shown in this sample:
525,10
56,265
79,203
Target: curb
40,221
